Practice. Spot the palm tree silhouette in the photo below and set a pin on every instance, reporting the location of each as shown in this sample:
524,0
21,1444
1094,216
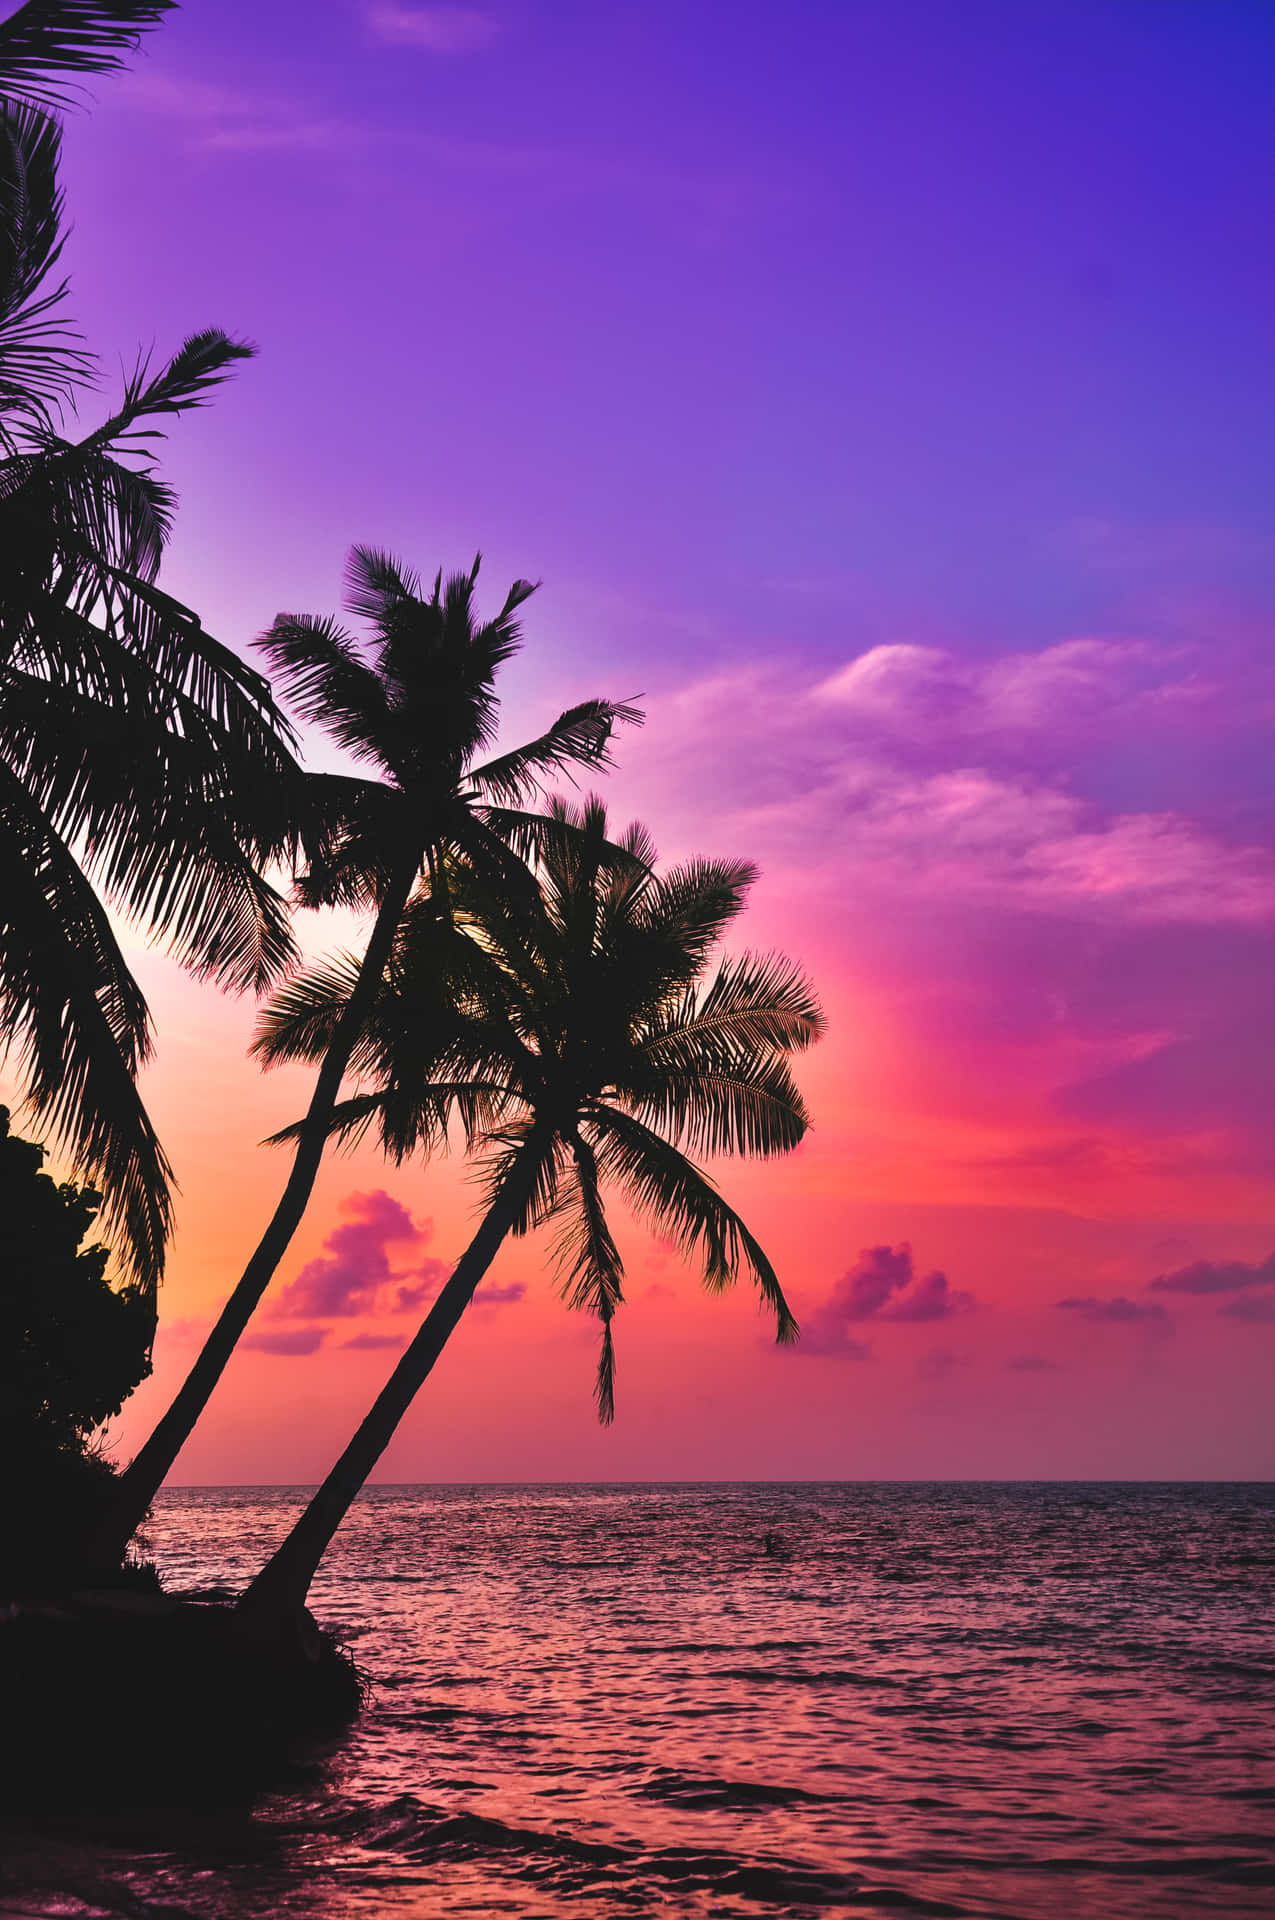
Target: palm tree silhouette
575,1042
418,711
136,754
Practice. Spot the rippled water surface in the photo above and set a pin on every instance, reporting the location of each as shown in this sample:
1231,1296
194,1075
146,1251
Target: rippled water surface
964,1700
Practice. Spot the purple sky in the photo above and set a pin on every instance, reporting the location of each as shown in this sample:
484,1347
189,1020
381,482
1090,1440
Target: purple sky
883,389
791,332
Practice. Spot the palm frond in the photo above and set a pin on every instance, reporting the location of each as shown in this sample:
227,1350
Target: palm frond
299,1021
580,737
200,365
321,672
70,1006
376,584
48,38
753,1001
589,1264
348,1121
694,903
81,515
162,812
41,363
678,1199
749,1106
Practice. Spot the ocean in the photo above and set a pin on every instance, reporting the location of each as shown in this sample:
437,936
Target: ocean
741,1700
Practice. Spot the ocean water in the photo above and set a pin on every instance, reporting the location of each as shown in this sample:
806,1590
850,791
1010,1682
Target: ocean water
1010,1700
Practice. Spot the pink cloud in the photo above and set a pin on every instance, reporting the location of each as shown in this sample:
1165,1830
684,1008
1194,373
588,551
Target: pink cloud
373,1342
185,1330
498,1296
1032,1363
1045,878
1258,1308
1119,1312
882,1285
354,1275
1217,1276
930,771
899,687
292,1342
433,29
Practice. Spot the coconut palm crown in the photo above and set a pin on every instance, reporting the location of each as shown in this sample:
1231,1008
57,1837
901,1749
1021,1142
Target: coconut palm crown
415,705
577,1047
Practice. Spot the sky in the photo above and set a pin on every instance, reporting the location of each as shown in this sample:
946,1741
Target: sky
883,392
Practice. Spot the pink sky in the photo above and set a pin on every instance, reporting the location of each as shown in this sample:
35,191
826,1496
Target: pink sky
897,446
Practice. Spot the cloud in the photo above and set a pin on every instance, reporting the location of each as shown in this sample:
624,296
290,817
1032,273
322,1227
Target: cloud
1119,1312
903,687
411,1299
928,1299
373,1342
929,771
236,119
1258,1308
1032,1363
293,1341
433,29
1216,1276
500,1296
354,1275
185,1331
882,1285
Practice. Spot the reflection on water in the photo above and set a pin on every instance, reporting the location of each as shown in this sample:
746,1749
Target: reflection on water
1004,1700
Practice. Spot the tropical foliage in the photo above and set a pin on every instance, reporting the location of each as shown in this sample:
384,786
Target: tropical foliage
571,1038
416,706
141,763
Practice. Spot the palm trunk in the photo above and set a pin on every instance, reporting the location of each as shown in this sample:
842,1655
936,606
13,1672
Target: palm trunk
275,1599
137,1486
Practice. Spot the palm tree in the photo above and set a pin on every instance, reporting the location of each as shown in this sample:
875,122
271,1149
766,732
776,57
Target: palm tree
419,712
136,754
574,1040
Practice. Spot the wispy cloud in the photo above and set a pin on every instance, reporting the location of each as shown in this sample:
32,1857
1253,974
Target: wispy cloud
1217,1276
908,689
1257,1308
500,1296
291,1341
930,773
432,29
232,119
1032,1363
1119,1312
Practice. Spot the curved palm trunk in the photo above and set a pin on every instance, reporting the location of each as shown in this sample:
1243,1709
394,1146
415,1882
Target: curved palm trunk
141,1480
276,1597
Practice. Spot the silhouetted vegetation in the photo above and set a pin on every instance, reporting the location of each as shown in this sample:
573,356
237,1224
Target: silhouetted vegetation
418,706
137,755
72,1348
565,1027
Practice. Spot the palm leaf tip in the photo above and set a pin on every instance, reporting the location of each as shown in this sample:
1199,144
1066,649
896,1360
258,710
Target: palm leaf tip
52,37
604,1385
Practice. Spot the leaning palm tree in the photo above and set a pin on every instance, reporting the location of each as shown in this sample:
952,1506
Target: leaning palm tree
577,1045
418,708
137,756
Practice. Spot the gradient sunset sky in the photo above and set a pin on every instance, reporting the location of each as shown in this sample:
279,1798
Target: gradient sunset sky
883,390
